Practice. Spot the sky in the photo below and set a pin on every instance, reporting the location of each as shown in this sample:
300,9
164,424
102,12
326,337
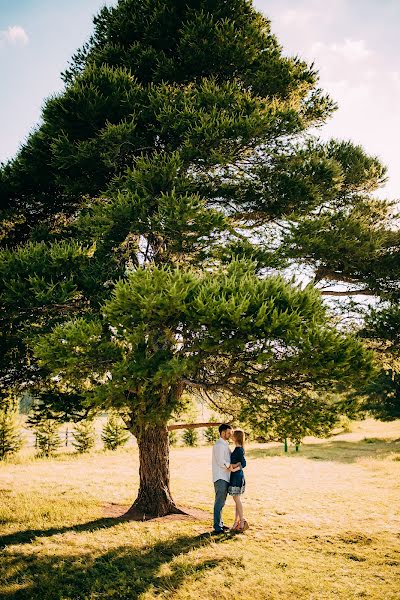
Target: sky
354,44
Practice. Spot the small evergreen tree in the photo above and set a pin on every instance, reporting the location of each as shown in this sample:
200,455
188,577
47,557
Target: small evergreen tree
211,433
10,438
84,436
42,420
114,433
47,437
190,437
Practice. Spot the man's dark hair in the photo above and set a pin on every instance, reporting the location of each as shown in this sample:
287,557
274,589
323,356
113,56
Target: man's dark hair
224,427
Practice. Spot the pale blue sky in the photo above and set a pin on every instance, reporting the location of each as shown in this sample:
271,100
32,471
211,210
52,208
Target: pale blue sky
354,44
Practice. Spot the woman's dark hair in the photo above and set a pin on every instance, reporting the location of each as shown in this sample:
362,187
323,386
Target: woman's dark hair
224,427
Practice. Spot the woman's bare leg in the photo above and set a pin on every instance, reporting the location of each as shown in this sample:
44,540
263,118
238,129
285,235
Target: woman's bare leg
237,518
239,509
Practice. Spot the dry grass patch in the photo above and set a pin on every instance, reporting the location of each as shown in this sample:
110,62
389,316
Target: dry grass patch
320,528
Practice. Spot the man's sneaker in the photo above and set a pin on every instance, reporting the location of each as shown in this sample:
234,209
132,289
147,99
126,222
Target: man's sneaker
226,528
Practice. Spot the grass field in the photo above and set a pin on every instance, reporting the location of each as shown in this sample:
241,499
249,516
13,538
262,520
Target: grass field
325,523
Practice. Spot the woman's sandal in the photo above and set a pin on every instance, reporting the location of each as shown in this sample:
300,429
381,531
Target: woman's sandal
245,526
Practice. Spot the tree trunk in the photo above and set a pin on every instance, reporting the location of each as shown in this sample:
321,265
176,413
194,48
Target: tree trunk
154,498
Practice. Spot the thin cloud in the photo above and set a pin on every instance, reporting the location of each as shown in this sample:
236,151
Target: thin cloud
15,35
353,50
355,66
298,18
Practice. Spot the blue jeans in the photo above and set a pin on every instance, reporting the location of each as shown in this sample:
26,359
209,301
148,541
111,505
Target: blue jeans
221,492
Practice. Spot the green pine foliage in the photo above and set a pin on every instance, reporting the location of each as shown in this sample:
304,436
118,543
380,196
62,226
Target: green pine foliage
62,404
190,437
114,433
297,415
41,411
45,424
84,436
211,434
382,326
47,437
173,438
380,397
231,311
10,435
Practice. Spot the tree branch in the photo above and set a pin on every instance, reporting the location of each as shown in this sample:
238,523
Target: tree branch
364,292
203,386
191,425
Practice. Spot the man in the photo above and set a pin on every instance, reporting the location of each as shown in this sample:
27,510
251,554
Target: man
221,456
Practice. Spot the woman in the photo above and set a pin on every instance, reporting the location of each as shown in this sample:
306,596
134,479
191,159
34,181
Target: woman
237,483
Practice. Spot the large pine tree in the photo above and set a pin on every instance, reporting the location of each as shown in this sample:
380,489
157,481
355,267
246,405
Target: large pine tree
143,223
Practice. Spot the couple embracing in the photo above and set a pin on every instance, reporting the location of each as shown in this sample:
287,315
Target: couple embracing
228,477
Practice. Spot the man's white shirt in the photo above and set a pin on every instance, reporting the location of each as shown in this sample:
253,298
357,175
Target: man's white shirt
221,455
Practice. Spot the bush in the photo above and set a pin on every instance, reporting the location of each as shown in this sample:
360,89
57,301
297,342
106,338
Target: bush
114,433
10,438
84,436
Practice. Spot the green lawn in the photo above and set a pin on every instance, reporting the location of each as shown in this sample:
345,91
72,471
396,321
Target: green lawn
325,523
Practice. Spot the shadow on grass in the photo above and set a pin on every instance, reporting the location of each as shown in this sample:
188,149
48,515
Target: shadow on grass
124,572
27,536
335,450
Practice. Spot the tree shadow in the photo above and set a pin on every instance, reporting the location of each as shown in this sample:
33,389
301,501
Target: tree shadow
335,451
27,536
124,572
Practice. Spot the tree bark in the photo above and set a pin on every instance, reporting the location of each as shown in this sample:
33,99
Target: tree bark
154,497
